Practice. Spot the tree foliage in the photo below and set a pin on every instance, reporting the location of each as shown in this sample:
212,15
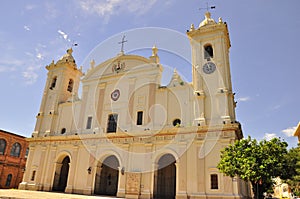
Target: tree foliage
292,169
257,162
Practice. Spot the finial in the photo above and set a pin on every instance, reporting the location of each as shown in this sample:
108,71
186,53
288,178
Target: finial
92,63
192,27
70,51
154,50
220,20
207,15
175,74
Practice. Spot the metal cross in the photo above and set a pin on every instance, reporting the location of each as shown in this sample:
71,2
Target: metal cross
208,7
122,42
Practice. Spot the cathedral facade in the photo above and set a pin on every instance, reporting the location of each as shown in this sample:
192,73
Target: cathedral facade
129,136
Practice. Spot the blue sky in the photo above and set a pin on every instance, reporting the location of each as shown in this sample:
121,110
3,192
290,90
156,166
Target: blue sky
264,53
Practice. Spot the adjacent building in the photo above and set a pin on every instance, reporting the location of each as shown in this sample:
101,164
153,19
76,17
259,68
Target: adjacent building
130,136
13,156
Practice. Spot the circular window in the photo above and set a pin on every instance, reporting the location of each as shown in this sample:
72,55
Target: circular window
176,122
115,95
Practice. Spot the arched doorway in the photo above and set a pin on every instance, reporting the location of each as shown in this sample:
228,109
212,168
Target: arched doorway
61,175
165,178
107,176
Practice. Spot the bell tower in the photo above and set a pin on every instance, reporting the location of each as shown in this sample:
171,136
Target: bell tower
61,86
210,45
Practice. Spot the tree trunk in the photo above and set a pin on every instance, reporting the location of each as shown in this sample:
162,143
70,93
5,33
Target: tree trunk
257,190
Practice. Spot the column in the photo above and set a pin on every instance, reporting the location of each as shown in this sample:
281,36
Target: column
48,181
72,171
121,182
181,178
89,186
40,171
26,176
153,176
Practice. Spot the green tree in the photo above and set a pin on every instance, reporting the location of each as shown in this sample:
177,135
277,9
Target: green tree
256,162
292,169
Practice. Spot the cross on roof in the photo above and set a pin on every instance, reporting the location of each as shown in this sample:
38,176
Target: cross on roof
208,7
122,42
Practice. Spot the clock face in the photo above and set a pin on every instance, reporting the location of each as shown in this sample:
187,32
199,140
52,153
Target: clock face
115,95
209,67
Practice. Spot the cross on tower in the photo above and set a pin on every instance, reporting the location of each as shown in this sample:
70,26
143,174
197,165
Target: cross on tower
122,42
208,7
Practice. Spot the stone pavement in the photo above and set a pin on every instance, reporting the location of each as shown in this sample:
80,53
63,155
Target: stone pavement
24,194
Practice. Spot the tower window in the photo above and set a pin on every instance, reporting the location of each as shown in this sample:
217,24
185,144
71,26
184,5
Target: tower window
27,152
53,83
208,52
63,131
139,120
2,146
176,122
8,180
15,150
33,175
70,85
214,181
89,123
112,123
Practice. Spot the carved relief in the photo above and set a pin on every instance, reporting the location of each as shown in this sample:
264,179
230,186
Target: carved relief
133,183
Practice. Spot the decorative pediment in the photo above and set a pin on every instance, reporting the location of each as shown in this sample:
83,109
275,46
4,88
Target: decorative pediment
118,65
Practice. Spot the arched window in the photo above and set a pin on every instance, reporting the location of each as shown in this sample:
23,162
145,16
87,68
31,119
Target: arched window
53,83
15,150
176,122
70,85
2,146
208,51
112,123
63,131
8,180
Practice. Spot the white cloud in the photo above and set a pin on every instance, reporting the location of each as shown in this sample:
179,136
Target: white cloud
52,11
30,7
243,99
289,131
269,136
6,69
30,75
27,28
63,34
9,65
108,8
39,56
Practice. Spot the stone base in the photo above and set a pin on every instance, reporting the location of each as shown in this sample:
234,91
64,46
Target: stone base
23,186
28,186
145,195
46,187
204,196
121,193
69,189
132,196
87,191
181,195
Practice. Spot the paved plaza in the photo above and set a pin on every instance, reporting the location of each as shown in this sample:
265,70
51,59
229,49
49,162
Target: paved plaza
24,194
